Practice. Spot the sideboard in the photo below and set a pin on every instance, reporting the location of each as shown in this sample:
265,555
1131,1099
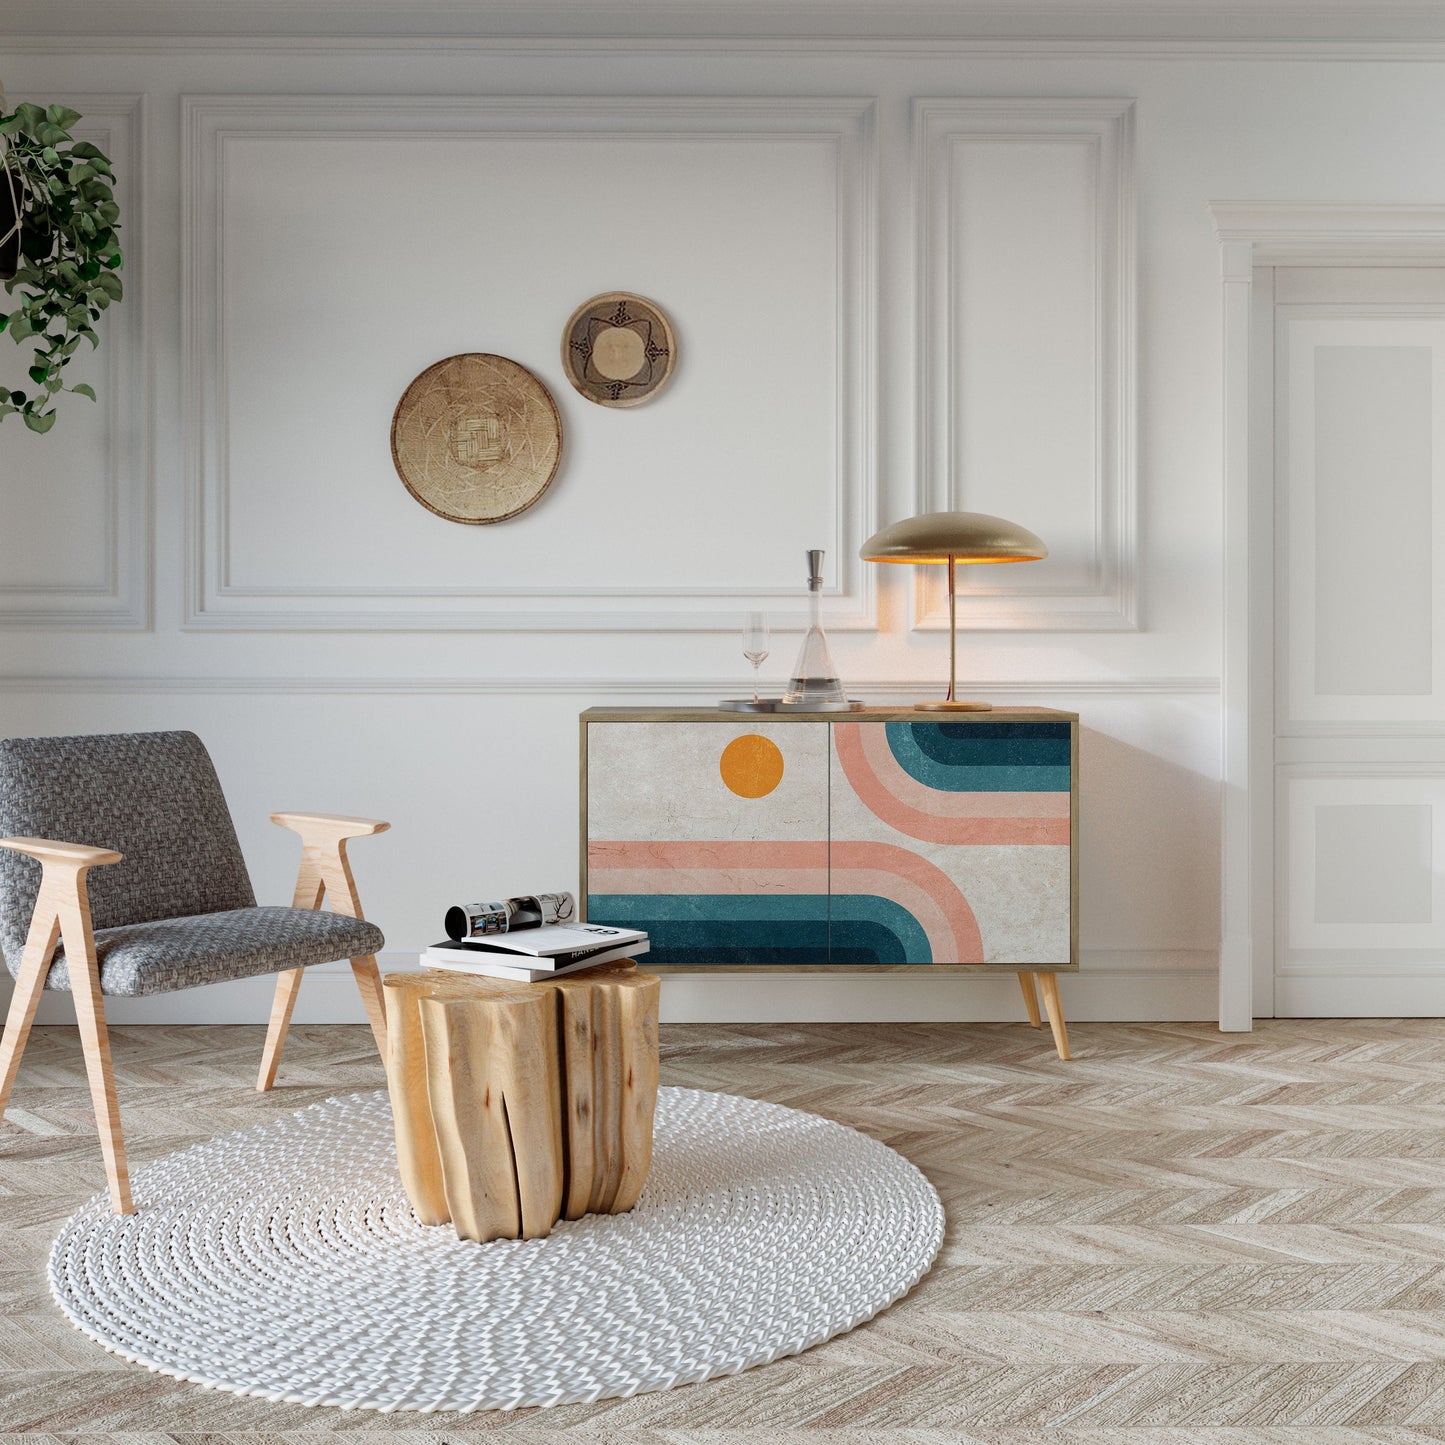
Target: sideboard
877,840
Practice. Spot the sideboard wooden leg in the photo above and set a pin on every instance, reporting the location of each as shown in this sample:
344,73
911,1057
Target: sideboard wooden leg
1031,1000
1050,983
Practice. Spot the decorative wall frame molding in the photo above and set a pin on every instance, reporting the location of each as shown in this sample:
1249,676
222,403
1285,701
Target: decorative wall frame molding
120,599
1258,234
845,126
1105,128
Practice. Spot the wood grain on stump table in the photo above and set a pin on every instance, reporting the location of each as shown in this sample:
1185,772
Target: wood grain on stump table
518,1104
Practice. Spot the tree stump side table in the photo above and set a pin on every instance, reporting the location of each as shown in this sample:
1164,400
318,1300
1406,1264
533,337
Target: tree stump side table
519,1104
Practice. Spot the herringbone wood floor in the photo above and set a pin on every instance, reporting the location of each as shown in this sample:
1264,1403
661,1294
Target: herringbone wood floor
1181,1236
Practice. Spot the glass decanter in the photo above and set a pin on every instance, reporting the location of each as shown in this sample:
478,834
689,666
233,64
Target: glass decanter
815,683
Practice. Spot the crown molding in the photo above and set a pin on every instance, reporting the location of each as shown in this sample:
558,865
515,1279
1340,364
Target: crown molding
1425,50
810,22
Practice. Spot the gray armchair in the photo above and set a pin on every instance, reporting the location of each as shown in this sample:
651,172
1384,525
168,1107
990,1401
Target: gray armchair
171,905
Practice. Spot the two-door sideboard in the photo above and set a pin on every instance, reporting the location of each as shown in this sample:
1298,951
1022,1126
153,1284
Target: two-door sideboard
880,840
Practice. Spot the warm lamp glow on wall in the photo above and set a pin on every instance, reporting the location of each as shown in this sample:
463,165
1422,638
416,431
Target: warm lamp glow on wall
953,537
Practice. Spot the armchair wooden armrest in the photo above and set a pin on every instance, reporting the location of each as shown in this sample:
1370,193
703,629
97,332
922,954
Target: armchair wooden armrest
324,866
329,825
68,855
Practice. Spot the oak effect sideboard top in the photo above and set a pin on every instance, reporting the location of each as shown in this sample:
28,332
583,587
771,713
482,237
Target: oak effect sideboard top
880,839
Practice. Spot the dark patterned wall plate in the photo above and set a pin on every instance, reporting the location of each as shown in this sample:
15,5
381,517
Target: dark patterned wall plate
618,349
476,438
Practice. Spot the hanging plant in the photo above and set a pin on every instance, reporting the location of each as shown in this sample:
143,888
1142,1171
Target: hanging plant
67,220
9,220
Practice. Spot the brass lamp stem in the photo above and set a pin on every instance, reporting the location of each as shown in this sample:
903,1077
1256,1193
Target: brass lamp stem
951,702
952,634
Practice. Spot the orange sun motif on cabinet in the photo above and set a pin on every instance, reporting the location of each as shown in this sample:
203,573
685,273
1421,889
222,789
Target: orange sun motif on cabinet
751,766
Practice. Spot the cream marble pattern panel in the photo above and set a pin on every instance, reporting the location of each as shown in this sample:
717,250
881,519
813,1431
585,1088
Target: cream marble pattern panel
661,781
1019,893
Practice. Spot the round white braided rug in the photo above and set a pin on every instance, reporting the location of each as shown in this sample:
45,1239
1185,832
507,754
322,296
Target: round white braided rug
284,1261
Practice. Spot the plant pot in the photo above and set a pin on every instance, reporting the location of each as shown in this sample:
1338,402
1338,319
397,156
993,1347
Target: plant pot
9,229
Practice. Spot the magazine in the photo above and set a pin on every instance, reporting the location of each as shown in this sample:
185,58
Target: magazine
555,938
509,915
523,968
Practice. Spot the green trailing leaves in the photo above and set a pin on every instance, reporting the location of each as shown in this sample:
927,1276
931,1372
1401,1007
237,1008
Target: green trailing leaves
70,252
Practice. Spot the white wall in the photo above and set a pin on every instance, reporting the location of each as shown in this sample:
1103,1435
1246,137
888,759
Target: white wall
880,307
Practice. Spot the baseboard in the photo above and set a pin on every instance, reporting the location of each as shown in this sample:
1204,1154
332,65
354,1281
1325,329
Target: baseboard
1112,987
1390,996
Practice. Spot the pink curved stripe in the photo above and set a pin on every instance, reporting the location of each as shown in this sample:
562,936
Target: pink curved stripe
879,869
721,867
890,794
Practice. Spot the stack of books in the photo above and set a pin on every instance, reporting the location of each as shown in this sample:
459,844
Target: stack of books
531,954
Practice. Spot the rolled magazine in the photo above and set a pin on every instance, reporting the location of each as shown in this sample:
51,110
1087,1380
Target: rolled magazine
509,915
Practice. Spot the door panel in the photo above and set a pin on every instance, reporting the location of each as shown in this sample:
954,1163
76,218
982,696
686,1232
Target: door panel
1364,412
950,842
712,836
1359,916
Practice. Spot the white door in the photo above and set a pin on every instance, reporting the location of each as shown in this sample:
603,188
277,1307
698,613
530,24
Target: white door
1359,664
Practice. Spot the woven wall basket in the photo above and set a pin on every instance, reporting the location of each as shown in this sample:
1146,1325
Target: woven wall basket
476,438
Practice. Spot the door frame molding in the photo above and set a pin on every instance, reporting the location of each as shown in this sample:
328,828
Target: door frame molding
1254,234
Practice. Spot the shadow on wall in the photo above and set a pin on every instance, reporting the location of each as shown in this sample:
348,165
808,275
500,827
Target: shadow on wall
1149,849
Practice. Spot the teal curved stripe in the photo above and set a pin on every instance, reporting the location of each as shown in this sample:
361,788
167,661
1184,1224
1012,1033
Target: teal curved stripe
720,928
983,757
772,928
865,928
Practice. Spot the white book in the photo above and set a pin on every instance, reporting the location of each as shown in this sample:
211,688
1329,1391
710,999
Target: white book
459,959
554,938
496,951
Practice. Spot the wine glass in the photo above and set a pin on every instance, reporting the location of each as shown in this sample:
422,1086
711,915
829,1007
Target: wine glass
756,644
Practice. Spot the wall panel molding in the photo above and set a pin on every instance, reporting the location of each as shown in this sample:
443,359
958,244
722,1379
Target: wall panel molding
1111,986
1103,594
845,126
585,687
120,596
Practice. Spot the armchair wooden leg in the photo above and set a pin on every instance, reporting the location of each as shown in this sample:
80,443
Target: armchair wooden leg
62,912
84,968
34,965
95,1044
283,1002
1049,982
1031,1000
373,1000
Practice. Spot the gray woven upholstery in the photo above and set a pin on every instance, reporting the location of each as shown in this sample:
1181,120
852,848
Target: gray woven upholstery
178,910
173,953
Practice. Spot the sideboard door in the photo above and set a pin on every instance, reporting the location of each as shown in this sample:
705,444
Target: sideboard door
950,843
712,836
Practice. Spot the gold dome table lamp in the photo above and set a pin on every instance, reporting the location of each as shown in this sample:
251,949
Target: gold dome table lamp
953,537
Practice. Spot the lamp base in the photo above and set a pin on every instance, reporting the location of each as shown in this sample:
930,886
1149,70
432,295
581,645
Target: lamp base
953,707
